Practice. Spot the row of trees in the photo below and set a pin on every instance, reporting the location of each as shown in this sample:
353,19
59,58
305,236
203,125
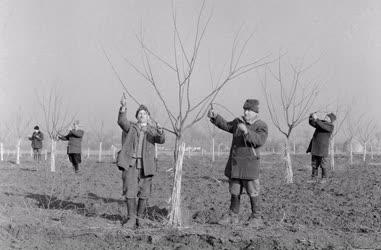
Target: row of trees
290,95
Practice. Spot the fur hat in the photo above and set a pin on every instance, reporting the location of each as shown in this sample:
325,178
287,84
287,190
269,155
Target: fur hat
141,107
251,104
332,116
36,127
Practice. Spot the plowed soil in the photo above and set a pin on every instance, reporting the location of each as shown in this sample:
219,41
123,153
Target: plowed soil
40,209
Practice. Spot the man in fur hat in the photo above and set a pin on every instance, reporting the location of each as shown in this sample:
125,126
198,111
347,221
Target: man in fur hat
74,145
37,138
319,144
242,168
137,160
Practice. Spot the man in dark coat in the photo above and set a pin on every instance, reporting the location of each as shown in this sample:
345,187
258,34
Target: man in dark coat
37,138
137,160
242,168
319,144
74,146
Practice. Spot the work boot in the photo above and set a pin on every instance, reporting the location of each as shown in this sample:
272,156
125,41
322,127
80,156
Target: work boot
323,173
142,204
131,209
232,216
314,175
254,218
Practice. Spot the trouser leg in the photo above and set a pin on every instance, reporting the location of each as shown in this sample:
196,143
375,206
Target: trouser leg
315,166
323,165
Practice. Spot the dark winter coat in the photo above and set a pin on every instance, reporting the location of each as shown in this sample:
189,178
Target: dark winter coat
129,139
74,137
319,143
244,158
37,138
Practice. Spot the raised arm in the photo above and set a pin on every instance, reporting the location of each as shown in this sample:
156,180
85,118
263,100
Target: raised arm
257,137
123,122
221,123
77,133
324,125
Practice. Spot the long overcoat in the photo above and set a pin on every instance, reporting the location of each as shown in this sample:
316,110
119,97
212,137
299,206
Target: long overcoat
37,138
319,143
244,157
74,146
129,144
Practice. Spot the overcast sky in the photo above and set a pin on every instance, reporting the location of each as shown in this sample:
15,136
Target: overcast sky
47,43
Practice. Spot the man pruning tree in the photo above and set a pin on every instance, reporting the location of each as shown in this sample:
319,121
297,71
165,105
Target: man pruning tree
137,160
242,168
74,145
37,138
319,144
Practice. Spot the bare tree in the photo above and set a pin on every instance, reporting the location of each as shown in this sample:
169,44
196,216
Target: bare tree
56,118
351,131
182,66
296,98
98,129
4,136
341,113
366,133
19,129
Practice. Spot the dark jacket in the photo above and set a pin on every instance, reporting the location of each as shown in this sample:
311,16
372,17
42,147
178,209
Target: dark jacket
319,143
74,137
37,138
244,158
129,138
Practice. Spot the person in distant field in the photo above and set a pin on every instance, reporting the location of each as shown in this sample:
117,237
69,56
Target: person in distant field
319,144
37,138
249,135
137,160
74,146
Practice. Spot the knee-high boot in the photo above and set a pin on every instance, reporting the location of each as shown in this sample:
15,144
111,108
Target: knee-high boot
131,209
142,204
232,216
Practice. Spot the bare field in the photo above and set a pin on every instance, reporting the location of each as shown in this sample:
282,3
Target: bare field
62,210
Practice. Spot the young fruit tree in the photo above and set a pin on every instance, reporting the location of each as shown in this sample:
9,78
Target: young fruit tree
98,130
366,132
342,115
292,105
20,130
351,131
57,120
191,106
4,136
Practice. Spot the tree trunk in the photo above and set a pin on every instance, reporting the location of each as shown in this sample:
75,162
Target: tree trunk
46,154
364,152
287,156
175,214
114,152
294,144
88,153
351,152
53,156
1,151
371,152
213,158
332,152
18,151
100,152
155,151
